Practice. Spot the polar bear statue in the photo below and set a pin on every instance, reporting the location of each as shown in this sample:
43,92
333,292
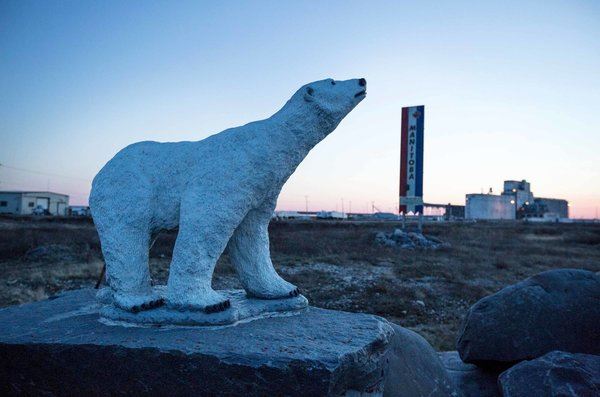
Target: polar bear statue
221,193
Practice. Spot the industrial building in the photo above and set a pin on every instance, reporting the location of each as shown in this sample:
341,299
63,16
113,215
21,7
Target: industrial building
557,207
33,203
489,206
516,202
520,191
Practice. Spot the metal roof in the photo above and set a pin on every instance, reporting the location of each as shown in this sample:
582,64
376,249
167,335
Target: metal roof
30,192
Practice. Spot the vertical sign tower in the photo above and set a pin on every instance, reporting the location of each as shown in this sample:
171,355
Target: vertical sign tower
411,160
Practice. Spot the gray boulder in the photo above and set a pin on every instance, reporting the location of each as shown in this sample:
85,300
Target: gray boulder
555,374
553,310
414,369
470,380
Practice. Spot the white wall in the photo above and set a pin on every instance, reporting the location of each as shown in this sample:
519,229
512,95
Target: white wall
13,203
19,202
489,206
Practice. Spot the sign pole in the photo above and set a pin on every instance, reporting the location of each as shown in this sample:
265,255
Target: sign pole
411,163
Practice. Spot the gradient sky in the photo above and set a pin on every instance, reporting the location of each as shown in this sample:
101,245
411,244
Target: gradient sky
511,90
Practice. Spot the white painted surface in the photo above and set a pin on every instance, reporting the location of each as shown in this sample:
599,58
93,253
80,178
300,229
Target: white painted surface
24,202
489,206
220,191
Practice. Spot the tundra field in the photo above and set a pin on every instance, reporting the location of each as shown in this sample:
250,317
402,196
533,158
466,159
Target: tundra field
337,265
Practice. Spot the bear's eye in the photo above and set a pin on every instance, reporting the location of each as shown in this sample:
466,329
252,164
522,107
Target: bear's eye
310,90
332,82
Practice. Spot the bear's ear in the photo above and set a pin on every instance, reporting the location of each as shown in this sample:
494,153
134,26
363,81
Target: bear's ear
308,95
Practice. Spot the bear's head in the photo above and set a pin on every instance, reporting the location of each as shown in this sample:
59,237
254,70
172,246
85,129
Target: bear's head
335,98
326,102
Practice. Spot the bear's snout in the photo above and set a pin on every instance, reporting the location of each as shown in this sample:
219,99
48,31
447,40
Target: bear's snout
361,94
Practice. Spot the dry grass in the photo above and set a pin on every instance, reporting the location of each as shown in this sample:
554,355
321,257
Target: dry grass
337,265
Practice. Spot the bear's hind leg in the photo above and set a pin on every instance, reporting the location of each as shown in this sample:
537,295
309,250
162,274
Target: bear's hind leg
126,252
249,251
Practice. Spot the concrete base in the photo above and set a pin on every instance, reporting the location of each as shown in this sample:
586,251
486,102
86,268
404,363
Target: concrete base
62,347
242,309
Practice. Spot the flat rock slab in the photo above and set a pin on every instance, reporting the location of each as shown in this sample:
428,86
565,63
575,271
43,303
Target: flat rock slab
61,346
242,308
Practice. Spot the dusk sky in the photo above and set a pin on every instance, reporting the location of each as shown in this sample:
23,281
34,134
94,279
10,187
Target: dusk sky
511,90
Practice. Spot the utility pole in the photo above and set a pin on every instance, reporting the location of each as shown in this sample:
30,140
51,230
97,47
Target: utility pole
306,203
342,206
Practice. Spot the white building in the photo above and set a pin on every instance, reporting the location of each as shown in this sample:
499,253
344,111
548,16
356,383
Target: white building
489,206
290,215
516,201
331,215
28,203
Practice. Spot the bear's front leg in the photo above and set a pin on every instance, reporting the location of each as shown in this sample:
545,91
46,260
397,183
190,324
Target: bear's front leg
249,251
202,237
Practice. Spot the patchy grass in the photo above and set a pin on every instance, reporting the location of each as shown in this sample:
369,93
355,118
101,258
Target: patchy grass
337,265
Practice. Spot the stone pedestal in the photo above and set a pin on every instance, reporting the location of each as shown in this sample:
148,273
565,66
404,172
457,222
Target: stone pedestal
61,346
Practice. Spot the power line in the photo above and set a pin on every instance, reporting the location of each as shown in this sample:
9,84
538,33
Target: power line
42,173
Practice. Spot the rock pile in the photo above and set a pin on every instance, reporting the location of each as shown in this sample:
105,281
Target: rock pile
408,240
550,319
